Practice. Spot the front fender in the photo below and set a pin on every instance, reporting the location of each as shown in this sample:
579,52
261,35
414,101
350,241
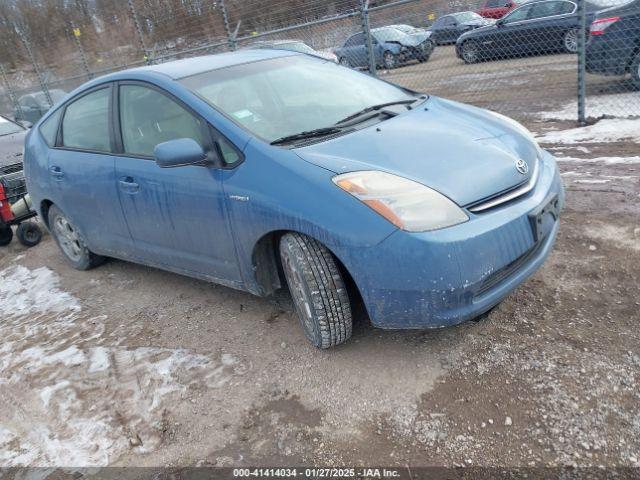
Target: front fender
274,190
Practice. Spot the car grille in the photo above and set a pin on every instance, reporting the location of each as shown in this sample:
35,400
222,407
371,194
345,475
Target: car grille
516,192
505,272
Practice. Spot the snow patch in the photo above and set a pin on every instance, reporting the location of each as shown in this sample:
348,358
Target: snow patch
608,130
615,105
604,160
70,395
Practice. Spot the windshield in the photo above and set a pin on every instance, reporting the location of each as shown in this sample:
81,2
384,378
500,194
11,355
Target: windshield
467,16
389,35
284,96
7,127
407,29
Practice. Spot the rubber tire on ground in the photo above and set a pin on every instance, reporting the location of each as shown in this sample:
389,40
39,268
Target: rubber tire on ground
389,60
466,45
635,70
318,290
29,234
344,62
87,259
573,31
6,235
429,50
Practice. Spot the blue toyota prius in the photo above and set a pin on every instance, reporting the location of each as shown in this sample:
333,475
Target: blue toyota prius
260,167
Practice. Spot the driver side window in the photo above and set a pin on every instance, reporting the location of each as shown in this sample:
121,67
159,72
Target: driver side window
148,118
518,15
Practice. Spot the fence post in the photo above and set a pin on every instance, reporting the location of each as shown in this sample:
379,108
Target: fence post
76,32
231,36
582,63
136,22
12,95
366,28
43,84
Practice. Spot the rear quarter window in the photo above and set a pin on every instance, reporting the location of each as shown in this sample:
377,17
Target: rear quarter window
49,128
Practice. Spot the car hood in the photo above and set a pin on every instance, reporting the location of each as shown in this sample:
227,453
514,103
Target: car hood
465,153
11,147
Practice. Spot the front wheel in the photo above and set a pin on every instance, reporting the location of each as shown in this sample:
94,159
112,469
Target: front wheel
571,41
71,241
470,52
318,290
29,234
389,60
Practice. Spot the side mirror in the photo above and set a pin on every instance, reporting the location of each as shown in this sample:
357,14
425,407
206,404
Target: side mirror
179,153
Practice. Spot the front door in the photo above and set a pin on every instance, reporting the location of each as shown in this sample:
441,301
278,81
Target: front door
176,216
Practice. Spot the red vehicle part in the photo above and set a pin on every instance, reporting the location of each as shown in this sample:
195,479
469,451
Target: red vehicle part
496,8
5,208
598,27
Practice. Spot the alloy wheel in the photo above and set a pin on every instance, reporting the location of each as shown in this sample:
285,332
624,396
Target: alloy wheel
469,52
571,41
68,238
389,60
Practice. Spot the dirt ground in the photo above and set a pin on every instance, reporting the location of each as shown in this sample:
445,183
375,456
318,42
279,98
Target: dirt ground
128,365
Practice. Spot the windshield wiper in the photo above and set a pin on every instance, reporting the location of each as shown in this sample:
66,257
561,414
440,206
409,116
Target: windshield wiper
318,132
373,108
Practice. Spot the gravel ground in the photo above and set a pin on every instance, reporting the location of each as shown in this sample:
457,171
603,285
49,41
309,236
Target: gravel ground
127,365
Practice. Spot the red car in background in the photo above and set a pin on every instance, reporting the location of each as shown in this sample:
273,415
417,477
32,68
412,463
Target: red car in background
497,8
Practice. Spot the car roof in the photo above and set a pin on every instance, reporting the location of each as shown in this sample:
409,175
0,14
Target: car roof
192,66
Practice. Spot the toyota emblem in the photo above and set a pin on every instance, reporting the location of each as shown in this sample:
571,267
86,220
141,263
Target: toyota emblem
522,166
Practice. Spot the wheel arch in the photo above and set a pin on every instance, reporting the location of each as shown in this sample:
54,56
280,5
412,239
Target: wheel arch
45,205
267,266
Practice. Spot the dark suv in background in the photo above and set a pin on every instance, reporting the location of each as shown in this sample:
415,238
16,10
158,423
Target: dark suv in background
614,43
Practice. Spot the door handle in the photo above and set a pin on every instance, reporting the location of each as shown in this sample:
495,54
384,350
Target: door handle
56,171
128,185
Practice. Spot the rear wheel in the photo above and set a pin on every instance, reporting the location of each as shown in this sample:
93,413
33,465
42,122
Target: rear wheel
29,234
6,235
71,241
318,290
470,52
571,41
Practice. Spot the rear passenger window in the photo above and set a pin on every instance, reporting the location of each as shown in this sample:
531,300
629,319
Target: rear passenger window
86,122
148,117
49,128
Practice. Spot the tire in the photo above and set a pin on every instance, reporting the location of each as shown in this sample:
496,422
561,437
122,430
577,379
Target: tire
29,234
344,62
427,50
635,70
570,41
469,52
71,242
6,235
318,290
389,60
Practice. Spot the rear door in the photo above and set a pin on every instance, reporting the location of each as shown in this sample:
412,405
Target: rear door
177,216
82,172
509,37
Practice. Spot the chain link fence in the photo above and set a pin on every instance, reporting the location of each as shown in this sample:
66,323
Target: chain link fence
532,60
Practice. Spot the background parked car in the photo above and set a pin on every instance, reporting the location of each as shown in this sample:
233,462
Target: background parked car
497,8
392,46
35,105
614,44
535,28
448,28
294,46
11,141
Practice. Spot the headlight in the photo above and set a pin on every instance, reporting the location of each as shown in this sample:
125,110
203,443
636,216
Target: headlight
407,204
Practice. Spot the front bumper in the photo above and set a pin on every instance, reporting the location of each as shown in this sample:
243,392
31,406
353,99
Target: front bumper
442,278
